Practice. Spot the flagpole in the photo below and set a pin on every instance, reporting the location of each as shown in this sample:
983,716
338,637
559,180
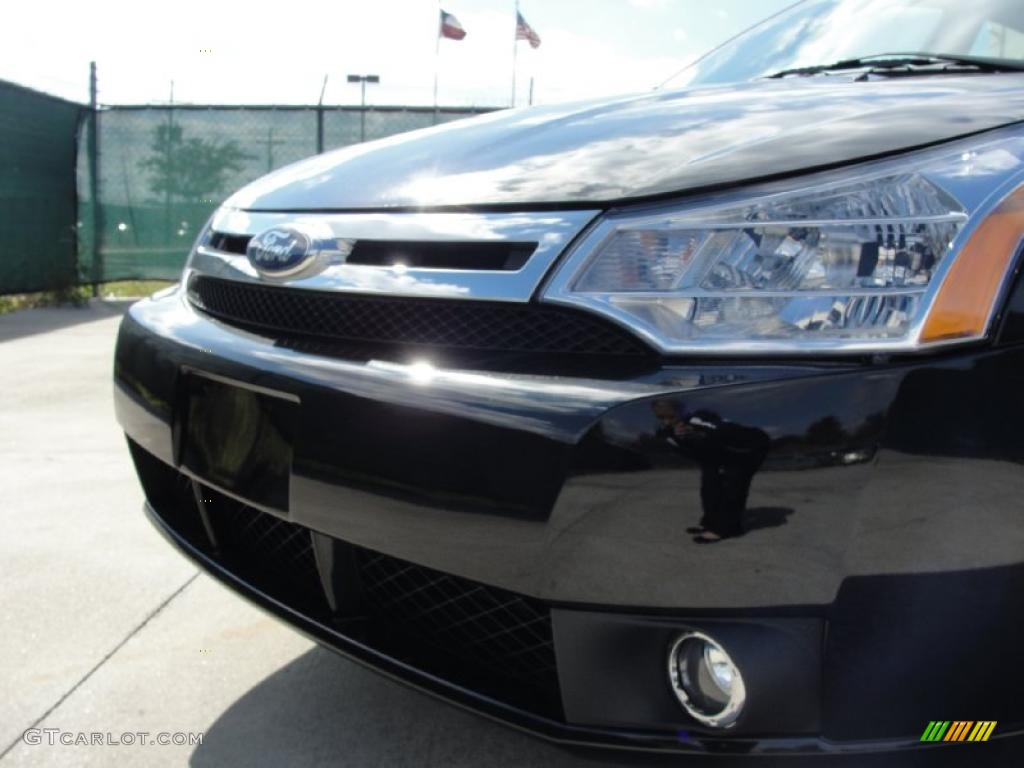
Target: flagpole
437,55
515,51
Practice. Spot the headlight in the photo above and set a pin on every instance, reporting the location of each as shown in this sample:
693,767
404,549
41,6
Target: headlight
890,256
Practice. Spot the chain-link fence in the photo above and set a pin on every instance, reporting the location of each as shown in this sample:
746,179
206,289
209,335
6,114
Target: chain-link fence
159,173
37,190
163,170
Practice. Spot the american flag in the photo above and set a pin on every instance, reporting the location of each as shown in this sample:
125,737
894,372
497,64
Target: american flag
525,32
450,27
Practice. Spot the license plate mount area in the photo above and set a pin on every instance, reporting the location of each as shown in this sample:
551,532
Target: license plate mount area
238,437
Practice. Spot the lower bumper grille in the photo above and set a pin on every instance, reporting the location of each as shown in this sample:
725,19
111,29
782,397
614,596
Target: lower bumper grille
481,637
467,325
258,541
492,628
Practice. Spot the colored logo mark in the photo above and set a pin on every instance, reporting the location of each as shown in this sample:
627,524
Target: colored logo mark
280,251
958,730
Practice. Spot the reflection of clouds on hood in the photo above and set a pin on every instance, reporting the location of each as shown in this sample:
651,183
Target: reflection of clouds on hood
715,124
316,171
649,145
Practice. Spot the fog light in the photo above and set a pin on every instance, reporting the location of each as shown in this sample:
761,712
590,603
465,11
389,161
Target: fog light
706,680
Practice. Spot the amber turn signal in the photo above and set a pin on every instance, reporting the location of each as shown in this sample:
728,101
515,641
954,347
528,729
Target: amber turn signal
968,295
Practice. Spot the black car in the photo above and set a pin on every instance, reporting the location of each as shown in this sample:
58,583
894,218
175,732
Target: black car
686,421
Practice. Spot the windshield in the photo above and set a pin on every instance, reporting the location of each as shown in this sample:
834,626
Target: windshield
816,32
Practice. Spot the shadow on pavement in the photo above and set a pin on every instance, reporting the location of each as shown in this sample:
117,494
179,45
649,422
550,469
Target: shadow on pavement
28,322
322,709
765,517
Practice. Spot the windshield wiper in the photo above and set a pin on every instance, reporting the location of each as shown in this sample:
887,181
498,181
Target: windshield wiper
935,62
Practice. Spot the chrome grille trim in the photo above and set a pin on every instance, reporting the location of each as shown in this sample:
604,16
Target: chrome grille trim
552,231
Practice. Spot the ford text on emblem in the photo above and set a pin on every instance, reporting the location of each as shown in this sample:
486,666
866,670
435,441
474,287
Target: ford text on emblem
281,252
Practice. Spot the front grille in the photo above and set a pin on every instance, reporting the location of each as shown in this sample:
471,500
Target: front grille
456,324
484,256
491,627
263,542
222,241
483,638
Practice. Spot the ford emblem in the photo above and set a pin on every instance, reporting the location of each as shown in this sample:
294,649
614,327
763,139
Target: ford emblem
281,252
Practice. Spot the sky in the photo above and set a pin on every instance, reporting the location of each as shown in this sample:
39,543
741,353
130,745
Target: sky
278,53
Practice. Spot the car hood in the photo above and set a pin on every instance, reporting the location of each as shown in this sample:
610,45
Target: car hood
601,153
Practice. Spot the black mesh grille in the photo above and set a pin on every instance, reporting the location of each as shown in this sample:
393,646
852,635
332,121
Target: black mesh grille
500,630
483,638
389,320
274,550
281,545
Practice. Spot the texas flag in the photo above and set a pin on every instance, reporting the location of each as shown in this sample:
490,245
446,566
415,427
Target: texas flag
525,32
450,27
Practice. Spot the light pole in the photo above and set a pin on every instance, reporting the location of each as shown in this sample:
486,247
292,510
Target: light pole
363,80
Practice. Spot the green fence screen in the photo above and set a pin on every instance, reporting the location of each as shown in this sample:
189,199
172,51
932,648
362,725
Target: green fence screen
160,172
38,136
163,170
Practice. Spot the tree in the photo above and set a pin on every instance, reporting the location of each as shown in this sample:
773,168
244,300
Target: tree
191,169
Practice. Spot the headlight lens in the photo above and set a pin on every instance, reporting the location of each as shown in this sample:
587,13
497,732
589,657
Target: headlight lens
849,261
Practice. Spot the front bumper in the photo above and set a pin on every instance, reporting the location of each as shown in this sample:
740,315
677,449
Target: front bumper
883,516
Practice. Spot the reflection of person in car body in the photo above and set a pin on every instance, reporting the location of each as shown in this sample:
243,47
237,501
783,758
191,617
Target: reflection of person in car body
728,454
